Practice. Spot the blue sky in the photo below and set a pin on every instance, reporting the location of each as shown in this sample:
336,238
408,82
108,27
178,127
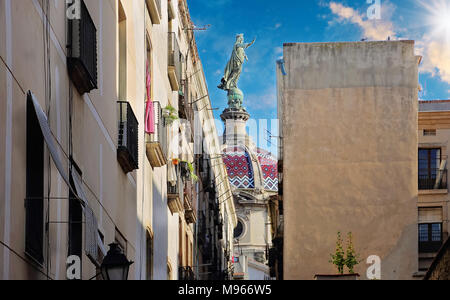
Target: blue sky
276,22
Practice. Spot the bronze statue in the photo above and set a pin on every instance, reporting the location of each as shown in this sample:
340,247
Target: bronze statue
234,66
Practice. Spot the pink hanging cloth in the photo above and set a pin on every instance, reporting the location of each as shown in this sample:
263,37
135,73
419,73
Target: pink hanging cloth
149,109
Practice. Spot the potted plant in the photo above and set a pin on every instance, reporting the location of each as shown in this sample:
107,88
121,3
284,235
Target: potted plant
352,258
170,114
342,259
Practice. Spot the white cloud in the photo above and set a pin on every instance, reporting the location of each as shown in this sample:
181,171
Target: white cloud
267,100
372,29
434,49
436,57
278,50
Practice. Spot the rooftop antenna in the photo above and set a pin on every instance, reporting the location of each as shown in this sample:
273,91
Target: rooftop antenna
195,28
269,137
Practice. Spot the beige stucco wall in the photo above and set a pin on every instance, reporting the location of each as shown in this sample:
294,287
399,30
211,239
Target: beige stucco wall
349,123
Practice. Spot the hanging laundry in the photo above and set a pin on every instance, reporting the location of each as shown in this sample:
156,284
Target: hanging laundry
149,117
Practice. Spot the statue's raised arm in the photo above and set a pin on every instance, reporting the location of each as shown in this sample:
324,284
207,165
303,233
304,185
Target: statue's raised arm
250,44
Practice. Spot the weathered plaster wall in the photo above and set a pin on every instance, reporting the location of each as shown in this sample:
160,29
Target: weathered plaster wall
349,115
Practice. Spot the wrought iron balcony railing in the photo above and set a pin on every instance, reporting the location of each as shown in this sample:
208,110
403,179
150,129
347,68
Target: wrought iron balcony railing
175,60
82,56
175,193
127,152
186,274
432,179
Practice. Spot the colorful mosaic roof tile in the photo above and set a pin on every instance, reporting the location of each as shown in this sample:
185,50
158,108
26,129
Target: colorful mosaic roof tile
239,167
240,172
269,166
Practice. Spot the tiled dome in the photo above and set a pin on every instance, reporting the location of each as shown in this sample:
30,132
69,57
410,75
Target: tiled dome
239,167
269,166
240,170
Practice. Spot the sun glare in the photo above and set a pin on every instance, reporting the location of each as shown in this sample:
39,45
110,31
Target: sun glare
444,22
438,12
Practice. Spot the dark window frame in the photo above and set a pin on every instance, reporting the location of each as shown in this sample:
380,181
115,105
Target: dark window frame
430,246
75,228
150,255
429,158
34,203
427,175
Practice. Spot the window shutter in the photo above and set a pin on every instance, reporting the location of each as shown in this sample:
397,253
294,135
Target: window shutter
430,215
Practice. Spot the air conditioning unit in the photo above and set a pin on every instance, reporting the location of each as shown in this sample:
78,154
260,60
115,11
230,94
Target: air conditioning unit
82,51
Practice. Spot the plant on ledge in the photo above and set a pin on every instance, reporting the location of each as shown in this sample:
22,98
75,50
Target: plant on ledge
337,258
352,258
170,114
348,258
187,171
191,170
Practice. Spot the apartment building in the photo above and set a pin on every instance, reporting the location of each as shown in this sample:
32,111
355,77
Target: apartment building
348,130
433,208
97,141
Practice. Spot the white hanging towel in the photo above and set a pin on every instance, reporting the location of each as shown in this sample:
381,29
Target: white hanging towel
172,174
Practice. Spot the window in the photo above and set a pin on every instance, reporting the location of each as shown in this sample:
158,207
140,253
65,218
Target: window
429,132
430,229
149,250
34,204
180,243
430,175
430,237
149,65
122,53
188,251
75,224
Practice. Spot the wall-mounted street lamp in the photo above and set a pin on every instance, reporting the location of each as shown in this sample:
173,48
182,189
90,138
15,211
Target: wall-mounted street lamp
115,265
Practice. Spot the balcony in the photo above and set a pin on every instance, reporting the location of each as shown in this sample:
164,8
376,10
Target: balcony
186,274
185,109
155,149
432,179
174,62
175,194
154,9
190,213
82,54
127,151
